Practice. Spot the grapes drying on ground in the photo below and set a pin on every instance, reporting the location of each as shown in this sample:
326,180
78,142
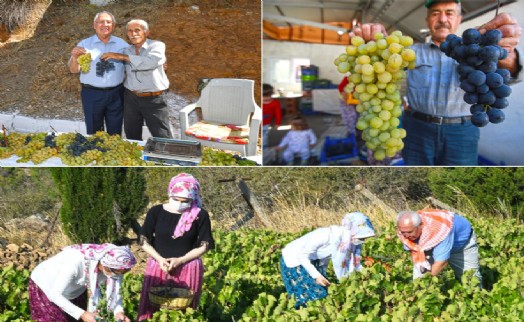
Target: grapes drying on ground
100,149
85,62
103,67
74,149
219,158
485,85
376,70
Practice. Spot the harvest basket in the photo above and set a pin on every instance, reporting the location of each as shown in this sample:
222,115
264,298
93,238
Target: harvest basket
169,297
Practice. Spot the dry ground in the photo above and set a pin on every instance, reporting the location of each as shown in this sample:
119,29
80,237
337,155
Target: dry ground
204,39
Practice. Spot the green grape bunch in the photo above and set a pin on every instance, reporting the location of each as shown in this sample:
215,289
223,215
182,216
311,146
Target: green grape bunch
376,69
85,62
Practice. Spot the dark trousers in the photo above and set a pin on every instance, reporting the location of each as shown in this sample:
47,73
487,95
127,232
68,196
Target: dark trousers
103,105
446,144
153,110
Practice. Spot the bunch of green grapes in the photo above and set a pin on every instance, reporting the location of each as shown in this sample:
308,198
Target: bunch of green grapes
111,150
216,157
29,147
85,62
376,70
99,149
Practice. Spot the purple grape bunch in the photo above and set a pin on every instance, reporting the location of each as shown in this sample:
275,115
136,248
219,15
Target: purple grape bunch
485,84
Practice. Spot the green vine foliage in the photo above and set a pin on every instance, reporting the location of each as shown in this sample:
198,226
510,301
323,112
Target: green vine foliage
242,282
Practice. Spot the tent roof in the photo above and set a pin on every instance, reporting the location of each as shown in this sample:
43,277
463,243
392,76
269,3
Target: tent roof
287,19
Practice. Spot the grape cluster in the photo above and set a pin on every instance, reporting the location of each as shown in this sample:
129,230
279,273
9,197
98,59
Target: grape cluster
49,140
216,157
81,145
377,68
85,62
486,85
104,66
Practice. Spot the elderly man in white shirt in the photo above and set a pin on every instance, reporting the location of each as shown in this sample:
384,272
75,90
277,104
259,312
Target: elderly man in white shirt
304,261
65,287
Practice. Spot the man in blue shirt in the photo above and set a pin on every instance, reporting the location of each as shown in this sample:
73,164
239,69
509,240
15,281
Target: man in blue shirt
442,238
102,86
438,121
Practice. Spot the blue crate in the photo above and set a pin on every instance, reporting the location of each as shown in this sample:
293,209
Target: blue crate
350,142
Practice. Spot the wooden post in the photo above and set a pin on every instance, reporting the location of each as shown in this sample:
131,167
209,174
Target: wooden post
439,204
253,203
45,243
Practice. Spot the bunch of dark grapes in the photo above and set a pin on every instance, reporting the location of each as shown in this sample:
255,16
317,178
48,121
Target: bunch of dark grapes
486,85
81,144
50,140
104,66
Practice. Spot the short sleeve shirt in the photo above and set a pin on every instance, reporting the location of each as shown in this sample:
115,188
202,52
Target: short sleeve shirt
456,240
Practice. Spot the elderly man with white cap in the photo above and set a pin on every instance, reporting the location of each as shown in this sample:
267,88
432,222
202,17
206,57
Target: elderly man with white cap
304,261
437,238
66,287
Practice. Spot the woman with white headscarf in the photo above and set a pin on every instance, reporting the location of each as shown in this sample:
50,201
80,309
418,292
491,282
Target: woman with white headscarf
304,261
175,235
66,287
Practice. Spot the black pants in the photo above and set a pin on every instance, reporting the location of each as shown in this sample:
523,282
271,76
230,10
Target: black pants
103,105
152,109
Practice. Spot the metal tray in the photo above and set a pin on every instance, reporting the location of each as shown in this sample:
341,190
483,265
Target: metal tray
173,151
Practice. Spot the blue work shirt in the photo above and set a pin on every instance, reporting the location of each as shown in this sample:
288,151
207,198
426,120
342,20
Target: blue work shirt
456,240
96,48
433,86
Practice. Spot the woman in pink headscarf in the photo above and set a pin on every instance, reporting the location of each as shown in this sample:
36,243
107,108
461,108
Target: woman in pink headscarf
66,287
175,235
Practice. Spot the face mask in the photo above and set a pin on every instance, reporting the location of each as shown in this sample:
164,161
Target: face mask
357,241
179,205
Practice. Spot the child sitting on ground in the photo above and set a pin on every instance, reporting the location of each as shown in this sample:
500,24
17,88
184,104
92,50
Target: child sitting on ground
271,111
299,140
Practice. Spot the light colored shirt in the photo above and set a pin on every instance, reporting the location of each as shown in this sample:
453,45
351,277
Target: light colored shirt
319,244
96,48
62,278
299,141
433,86
145,71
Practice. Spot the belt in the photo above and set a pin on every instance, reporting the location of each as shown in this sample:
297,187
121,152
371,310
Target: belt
439,119
147,94
100,88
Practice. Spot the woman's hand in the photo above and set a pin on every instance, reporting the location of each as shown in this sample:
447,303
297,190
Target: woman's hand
164,264
88,317
321,280
175,262
120,316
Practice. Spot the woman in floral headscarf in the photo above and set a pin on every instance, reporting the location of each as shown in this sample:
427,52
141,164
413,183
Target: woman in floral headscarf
63,286
175,235
304,261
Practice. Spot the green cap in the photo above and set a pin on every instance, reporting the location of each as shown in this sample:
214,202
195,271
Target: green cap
430,2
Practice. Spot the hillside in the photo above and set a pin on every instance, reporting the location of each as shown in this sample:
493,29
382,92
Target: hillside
204,39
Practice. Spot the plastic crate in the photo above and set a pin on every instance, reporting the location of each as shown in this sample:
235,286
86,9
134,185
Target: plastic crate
322,84
338,149
308,86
